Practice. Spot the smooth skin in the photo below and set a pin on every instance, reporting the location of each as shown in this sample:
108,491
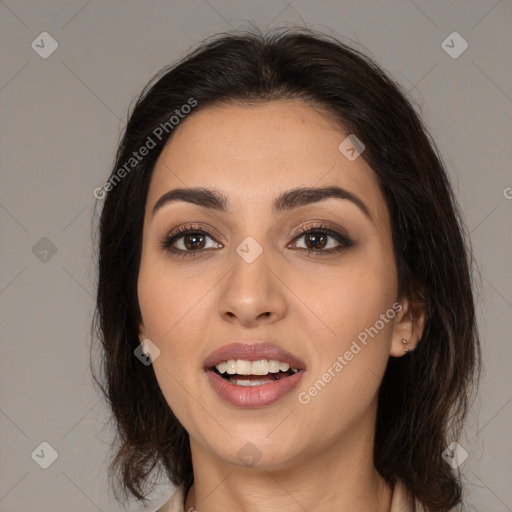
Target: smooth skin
316,456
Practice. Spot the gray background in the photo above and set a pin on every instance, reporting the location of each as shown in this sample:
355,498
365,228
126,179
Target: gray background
61,119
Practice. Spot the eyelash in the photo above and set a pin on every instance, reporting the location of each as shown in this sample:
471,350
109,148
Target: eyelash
345,241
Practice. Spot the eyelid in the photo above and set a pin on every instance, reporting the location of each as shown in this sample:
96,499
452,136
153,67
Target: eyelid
300,228
195,226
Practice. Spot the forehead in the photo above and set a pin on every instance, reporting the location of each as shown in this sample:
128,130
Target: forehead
254,152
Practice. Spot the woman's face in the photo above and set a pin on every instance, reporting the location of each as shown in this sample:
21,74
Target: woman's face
251,280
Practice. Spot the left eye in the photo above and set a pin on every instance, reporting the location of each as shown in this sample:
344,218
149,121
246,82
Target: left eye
322,240
316,240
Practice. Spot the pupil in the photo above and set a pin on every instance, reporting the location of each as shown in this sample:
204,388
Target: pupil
317,239
195,239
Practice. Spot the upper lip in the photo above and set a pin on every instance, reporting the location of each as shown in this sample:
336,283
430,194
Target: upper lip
252,351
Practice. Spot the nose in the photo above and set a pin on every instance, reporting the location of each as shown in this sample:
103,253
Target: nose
252,293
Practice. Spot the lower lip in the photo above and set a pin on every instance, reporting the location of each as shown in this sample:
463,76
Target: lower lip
253,396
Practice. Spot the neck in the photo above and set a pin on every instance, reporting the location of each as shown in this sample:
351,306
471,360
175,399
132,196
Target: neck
339,477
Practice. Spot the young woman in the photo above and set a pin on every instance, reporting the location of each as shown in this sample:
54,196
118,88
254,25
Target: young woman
284,297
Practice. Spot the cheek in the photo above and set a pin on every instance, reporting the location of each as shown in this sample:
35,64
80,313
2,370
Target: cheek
350,297
351,353
175,310
166,302
167,298
347,371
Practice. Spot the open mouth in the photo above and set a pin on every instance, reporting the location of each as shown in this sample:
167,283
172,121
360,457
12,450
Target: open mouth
255,383
254,380
253,375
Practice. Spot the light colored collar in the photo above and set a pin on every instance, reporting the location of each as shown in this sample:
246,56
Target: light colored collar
175,503
401,501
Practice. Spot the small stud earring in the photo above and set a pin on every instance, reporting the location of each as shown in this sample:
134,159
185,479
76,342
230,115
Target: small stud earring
404,343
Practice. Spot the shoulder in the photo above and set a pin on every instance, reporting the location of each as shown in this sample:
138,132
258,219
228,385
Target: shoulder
175,503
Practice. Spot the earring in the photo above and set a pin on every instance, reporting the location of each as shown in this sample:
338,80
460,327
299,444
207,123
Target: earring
404,343
143,348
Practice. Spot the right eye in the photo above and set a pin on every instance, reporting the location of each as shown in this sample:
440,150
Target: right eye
191,239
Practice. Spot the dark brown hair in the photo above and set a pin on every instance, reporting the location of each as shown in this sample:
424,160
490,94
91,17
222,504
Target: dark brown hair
425,395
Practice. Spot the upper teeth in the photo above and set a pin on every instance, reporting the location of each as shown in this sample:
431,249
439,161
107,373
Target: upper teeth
260,367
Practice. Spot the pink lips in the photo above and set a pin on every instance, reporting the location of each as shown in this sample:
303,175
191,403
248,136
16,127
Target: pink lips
252,396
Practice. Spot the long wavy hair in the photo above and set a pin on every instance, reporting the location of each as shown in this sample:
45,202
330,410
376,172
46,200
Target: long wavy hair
425,395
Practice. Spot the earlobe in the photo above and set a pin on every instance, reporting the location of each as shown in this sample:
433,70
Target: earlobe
408,328
405,347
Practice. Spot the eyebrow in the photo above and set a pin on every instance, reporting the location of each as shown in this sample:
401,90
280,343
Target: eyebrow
294,198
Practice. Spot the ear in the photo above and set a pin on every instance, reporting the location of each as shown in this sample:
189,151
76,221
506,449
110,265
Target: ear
409,325
141,331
